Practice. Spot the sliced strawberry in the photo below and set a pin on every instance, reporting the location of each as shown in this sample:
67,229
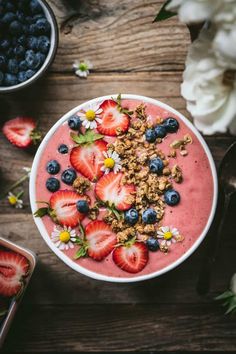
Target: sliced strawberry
88,159
63,205
100,239
13,267
109,189
112,119
21,132
131,257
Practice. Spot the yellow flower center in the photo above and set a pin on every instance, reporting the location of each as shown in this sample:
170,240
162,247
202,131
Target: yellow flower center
168,235
64,236
109,162
90,115
12,200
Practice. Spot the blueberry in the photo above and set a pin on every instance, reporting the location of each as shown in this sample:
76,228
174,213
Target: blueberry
42,26
2,61
8,17
35,7
43,44
29,20
1,77
16,28
21,40
131,216
171,197
171,125
53,167
10,53
22,76
12,66
31,60
10,7
150,135
156,165
63,149
160,131
149,216
40,57
74,122
29,73
19,51
26,29
10,80
32,29
23,65
152,244
52,184
32,42
20,16
38,16
68,176
5,44
82,206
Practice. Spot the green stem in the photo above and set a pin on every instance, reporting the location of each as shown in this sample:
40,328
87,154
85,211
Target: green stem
14,185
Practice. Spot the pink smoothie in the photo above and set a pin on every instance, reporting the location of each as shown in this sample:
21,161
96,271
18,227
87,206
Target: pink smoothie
189,216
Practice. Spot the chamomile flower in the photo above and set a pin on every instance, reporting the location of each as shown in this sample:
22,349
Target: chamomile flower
15,200
27,170
63,237
82,68
90,117
168,235
111,162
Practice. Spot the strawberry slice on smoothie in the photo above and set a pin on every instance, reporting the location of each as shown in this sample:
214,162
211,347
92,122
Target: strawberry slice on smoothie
63,207
88,159
110,189
131,257
13,268
112,119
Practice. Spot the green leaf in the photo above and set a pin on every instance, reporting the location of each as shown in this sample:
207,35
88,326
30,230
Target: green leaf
3,312
117,214
82,232
227,294
42,212
82,252
164,14
87,138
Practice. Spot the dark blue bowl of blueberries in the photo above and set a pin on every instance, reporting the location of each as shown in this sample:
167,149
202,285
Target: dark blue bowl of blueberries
28,42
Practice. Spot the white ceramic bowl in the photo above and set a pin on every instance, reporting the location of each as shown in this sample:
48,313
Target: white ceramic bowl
50,56
76,266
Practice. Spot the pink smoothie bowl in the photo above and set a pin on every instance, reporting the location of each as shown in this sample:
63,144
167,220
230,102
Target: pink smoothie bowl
137,277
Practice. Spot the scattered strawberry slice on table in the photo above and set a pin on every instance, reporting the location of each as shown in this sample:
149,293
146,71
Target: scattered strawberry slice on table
88,159
109,189
112,119
21,132
100,239
131,257
63,207
13,268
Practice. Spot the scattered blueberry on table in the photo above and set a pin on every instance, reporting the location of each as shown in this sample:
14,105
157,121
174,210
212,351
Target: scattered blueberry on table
24,40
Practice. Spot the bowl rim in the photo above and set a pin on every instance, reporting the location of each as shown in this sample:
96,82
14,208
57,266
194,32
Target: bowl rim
49,58
69,261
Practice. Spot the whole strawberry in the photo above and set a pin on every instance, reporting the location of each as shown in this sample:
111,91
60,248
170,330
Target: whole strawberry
21,132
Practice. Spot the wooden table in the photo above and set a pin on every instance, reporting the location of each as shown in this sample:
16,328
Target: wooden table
65,311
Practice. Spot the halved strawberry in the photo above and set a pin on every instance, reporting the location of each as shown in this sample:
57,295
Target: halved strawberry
132,257
21,132
100,239
13,267
88,159
63,205
112,119
109,189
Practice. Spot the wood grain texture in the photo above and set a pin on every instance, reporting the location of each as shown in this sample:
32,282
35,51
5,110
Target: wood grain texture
118,36
63,311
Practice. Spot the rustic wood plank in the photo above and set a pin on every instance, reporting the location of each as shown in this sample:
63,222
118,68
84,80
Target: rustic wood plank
121,328
118,35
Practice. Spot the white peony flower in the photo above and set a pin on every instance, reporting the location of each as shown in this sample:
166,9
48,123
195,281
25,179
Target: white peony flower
210,100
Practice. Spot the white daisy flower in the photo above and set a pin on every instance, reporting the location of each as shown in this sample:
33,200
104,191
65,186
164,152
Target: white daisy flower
15,200
90,116
27,170
63,237
82,68
111,162
168,235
